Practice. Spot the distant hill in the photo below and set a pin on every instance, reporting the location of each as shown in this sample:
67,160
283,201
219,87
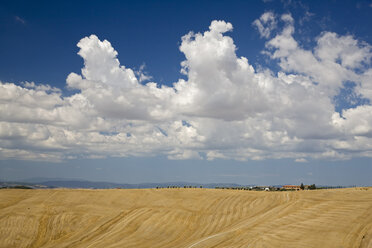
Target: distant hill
79,183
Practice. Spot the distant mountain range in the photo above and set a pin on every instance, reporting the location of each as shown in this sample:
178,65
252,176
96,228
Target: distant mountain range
76,183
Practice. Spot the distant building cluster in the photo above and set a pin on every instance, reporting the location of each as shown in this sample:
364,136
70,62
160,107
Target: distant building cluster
291,187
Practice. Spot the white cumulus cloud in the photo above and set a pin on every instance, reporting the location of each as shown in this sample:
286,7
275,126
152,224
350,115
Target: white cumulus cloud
265,24
224,109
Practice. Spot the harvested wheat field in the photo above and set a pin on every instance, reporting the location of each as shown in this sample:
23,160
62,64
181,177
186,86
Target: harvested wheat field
185,218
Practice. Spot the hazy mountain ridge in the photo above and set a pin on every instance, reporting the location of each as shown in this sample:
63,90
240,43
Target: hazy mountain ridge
76,183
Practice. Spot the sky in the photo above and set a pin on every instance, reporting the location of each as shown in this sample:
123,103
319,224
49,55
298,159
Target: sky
249,92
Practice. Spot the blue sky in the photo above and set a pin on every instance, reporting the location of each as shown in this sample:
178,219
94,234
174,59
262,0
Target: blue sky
268,92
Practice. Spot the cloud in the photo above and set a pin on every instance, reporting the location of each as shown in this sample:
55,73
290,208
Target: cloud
265,24
300,160
19,20
344,50
142,74
224,109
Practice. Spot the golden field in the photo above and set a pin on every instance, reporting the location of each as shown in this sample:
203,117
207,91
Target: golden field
185,218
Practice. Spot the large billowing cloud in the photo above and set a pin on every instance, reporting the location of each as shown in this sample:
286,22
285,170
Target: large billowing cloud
225,109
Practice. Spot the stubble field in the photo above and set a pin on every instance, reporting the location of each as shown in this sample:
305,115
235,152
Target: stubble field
185,218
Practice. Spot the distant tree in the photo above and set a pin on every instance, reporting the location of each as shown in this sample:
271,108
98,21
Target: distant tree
21,187
201,186
312,186
302,186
